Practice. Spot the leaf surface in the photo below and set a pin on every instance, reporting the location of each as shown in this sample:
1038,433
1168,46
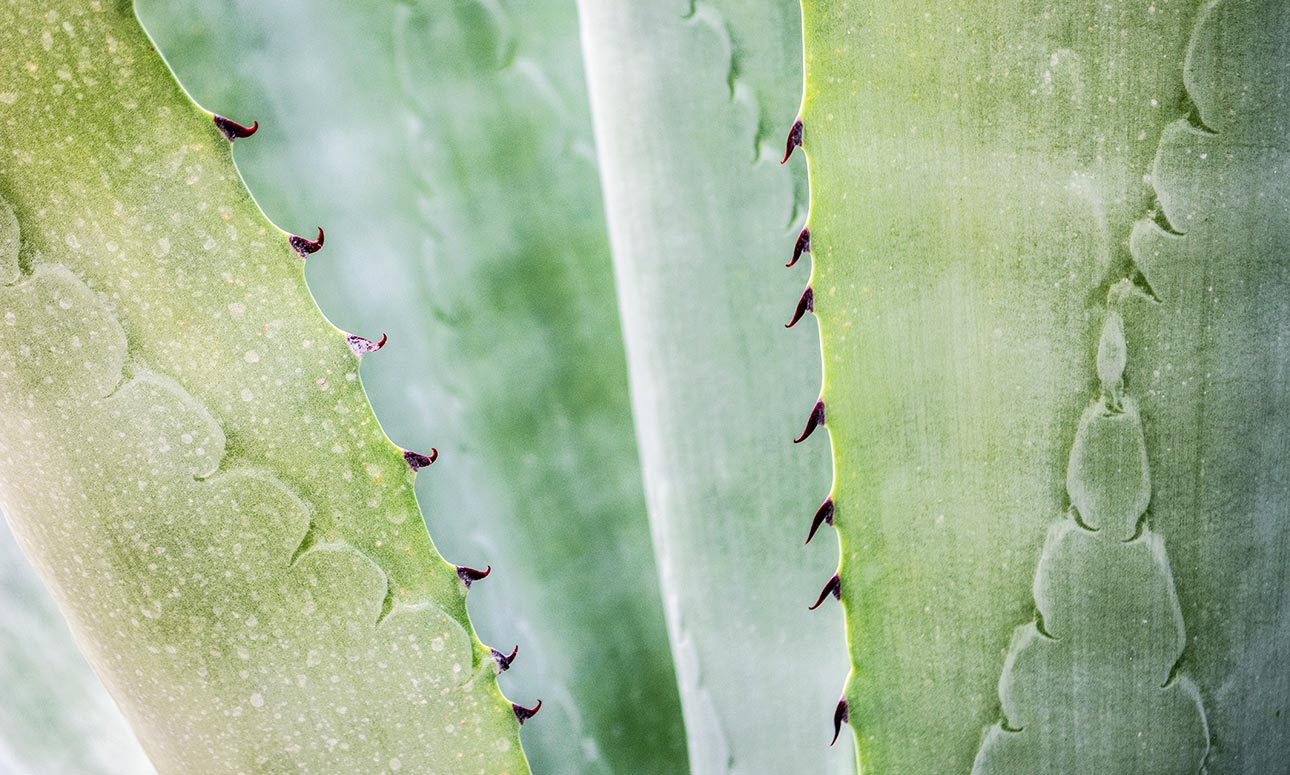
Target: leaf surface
57,719
685,97
993,190
446,148
186,453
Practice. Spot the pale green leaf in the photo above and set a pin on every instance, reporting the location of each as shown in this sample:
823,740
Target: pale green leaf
1048,566
702,219
56,718
446,147
186,453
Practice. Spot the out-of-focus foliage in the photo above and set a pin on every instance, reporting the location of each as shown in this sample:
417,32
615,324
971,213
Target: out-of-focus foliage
56,717
445,146
1047,251
688,103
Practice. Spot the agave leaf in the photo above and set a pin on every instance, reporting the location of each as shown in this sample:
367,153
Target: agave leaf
446,148
186,453
987,264
1209,362
700,217
56,719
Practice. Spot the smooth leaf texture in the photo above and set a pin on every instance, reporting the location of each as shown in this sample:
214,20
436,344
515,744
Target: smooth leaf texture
56,718
186,453
688,102
446,148
1211,362
993,187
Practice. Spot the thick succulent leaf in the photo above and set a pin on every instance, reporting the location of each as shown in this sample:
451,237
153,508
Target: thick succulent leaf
56,718
446,148
1049,407
1210,363
701,216
186,453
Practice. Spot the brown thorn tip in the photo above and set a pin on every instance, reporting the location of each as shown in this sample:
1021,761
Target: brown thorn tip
361,345
504,660
524,714
794,140
469,575
803,246
415,460
804,305
822,515
834,587
233,130
840,714
814,421
304,246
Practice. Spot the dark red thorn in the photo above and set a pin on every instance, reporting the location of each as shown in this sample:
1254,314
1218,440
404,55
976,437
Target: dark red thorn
504,660
794,140
524,714
417,461
233,130
814,421
834,587
840,714
304,247
469,576
804,305
361,345
803,246
822,515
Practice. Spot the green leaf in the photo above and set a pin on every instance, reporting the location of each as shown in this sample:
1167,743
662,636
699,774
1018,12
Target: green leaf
1208,363
56,719
701,220
446,148
186,453
984,217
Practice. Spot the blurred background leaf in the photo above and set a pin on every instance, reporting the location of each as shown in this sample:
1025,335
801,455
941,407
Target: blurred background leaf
691,102
446,148
56,718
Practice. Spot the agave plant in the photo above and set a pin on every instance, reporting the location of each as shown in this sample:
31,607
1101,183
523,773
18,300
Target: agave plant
1046,250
